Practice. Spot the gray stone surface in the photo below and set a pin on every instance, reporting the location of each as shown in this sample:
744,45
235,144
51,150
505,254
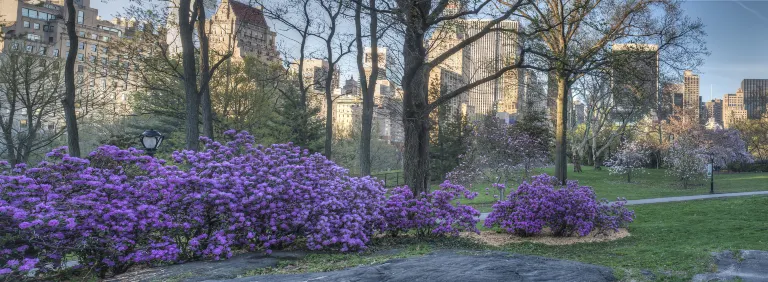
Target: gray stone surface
484,215
738,266
234,267
449,266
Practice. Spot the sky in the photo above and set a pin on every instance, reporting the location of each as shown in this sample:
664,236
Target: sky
737,38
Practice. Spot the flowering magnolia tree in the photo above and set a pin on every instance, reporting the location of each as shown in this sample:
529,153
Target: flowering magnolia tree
631,156
692,151
118,208
569,210
499,153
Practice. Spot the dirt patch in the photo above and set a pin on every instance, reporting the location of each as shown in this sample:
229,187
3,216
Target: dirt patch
497,239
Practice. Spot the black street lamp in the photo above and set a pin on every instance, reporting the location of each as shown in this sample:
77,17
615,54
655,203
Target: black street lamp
711,172
151,139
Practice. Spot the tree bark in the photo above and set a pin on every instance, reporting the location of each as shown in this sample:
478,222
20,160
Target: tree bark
415,89
192,105
367,84
205,72
561,164
70,116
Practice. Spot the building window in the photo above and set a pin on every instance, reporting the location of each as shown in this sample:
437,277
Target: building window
30,48
45,28
93,47
33,14
80,17
67,44
33,37
51,126
23,122
50,38
55,53
36,26
80,57
43,50
80,68
26,24
91,58
104,50
81,34
105,38
81,45
24,12
94,36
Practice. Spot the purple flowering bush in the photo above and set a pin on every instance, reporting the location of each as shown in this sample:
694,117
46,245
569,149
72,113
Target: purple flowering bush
567,211
430,214
117,208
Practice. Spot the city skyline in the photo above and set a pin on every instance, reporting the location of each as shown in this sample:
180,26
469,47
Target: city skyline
731,60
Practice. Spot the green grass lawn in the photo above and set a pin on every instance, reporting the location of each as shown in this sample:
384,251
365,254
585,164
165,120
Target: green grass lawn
672,240
651,183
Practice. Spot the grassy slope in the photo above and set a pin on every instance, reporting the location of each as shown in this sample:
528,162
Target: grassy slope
652,183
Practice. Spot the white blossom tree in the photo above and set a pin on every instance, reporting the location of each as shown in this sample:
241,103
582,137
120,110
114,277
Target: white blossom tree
631,156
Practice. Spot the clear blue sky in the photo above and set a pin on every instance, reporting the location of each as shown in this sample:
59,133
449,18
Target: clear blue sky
737,37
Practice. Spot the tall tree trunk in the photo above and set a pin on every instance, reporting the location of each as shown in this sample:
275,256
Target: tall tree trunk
192,105
368,84
561,164
70,116
415,118
328,119
205,72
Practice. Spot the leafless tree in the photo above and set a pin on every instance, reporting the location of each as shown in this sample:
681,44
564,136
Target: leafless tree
579,35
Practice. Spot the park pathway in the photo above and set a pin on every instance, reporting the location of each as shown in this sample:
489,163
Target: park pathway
678,199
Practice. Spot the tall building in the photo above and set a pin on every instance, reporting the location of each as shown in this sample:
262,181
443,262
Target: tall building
351,88
315,71
691,97
715,111
733,108
235,27
490,53
39,27
347,112
242,29
533,98
635,79
755,97
382,62
672,99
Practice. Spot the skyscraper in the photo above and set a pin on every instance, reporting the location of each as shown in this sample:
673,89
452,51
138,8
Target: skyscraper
715,110
635,79
733,108
368,62
755,97
490,53
691,100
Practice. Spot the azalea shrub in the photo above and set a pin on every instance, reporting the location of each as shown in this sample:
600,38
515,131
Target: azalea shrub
432,213
567,211
118,208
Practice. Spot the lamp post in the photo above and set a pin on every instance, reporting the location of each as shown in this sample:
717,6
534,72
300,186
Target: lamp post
711,172
151,139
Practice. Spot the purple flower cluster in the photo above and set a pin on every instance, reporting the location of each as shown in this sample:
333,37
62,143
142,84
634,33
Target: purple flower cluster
430,213
569,210
117,208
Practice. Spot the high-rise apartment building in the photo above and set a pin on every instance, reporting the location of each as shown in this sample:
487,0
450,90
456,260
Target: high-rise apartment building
38,27
235,27
691,96
755,97
715,111
382,62
733,108
490,53
635,80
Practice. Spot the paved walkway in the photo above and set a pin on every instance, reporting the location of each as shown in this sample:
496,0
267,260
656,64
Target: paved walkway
678,199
